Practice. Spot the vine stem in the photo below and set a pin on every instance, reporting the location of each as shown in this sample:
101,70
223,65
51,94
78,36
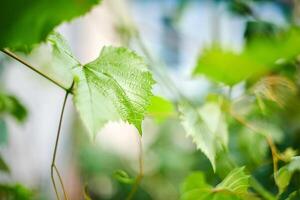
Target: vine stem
53,165
275,156
14,56
141,171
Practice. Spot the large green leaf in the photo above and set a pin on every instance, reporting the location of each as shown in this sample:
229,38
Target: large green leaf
116,86
24,23
258,57
233,187
207,128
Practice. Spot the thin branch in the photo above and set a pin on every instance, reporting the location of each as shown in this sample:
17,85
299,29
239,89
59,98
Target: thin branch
14,56
141,171
53,166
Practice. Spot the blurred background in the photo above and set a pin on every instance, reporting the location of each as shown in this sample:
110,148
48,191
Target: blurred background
174,32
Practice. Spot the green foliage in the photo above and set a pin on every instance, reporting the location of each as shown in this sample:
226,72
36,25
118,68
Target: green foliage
117,85
234,186
15,192
25,23
123,177
3,166
207,128
3,133
230,67
11,105
285,173
160,108
236,182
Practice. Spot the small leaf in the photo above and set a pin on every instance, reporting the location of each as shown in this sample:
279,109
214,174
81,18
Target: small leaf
282,178
123,177
160,108
116,86
274,88
207,128
236,182
233,187
285,173
11,105
3,166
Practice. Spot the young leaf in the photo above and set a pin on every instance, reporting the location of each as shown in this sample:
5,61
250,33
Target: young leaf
11,105
123,177
236,182
117,85
24,23
207,128
233,187
285,173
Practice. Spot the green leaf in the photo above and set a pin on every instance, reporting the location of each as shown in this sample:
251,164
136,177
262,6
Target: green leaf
233,187
225,66
123,177
285,173
17,191
259,57
282,178
24,23
116,86
195,180
160,108
236,182
294,195
207,128
3,166
11,105
3,133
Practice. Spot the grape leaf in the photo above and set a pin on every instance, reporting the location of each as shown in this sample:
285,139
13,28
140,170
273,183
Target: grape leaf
24,23
117,85
257,58
207,128
236,182
233,187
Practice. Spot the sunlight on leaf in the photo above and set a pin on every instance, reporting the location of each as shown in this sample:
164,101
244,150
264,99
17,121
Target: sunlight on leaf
207,128
116,86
